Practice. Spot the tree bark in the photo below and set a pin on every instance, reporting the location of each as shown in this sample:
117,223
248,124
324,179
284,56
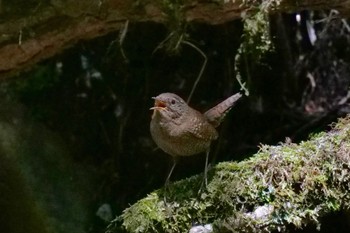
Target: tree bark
32,31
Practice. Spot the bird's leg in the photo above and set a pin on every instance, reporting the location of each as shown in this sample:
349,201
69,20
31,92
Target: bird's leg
166,185
206,169
171,171
205,179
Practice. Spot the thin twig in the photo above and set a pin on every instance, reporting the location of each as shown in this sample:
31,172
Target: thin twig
122,36
202,68
161,44
238,73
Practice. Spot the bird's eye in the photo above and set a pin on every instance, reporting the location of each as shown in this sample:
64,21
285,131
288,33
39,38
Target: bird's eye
173,101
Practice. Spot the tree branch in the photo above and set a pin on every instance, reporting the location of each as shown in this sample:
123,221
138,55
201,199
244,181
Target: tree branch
32,32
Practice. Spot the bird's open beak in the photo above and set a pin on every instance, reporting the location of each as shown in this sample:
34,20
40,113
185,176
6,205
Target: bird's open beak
158,104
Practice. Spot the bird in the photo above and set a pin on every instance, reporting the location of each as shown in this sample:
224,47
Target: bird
180,130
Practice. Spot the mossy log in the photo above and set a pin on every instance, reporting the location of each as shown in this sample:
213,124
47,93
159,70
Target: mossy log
281,187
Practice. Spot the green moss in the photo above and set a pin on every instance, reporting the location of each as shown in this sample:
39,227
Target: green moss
149,207
176,24
295,184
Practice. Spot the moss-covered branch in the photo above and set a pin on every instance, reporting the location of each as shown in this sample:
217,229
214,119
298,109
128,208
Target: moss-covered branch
289,185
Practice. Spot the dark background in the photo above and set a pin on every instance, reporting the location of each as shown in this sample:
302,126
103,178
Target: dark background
89,108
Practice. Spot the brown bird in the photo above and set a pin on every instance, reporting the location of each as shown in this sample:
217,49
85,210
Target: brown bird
180,130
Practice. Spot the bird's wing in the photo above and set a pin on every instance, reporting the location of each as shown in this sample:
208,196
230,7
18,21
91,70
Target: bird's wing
199,127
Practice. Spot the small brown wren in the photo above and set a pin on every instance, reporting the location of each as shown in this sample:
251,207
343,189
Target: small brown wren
180,130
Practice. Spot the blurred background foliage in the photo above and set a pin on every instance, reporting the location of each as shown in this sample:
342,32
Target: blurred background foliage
80,120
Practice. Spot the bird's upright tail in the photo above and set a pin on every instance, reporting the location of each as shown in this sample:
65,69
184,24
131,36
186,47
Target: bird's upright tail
216,114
